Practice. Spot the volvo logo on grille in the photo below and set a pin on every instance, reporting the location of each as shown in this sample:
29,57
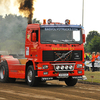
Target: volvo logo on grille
60,54
63,56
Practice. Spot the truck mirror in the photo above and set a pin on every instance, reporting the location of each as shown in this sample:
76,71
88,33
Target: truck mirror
34,37
83,36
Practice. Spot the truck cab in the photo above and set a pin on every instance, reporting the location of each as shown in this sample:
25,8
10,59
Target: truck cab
55,51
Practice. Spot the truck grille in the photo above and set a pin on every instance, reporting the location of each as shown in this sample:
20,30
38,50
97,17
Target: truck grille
62,56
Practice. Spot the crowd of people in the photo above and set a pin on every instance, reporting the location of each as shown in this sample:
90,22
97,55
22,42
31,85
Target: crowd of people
91,57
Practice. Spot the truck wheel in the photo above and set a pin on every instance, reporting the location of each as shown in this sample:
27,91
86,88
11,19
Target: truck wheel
31,79
70,81
4,72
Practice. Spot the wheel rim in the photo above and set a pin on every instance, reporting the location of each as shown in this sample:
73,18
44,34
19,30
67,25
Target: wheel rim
2,72
29,76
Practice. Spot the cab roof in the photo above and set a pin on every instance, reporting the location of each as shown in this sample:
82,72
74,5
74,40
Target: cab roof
30,26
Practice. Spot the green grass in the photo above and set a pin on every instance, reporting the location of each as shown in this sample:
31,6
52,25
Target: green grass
96,76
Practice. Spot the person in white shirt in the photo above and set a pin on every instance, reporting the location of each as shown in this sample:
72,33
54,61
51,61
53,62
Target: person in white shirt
98,57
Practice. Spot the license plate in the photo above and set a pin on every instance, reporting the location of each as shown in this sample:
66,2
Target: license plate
46,78
63,74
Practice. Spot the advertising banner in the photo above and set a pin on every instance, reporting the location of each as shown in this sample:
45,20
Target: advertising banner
89,63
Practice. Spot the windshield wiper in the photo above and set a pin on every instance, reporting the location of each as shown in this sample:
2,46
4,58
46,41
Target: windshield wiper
73,40
65,41
51,41
48,41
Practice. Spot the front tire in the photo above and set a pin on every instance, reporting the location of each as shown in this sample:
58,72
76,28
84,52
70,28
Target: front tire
70,81
31,79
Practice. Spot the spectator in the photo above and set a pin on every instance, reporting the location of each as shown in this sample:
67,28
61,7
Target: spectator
93,61
87,57
84,56
90,56
97,55
86,67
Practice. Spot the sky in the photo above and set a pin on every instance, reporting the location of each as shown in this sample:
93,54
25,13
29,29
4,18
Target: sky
59,10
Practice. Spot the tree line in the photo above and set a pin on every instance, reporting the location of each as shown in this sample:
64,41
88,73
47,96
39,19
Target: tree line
92,42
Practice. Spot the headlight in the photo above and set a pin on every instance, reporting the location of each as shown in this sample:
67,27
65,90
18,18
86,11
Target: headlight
45,66
57,67
62,67
79,65
70,67
66,67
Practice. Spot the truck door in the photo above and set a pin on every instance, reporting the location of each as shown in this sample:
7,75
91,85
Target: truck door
34,43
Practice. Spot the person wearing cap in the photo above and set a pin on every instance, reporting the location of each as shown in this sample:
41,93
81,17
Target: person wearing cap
93,60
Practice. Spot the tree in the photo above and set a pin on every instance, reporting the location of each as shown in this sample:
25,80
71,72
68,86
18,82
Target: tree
89,37
94,45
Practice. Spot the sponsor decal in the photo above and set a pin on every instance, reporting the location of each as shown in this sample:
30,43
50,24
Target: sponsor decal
27,50
33,49
62,48
13,70
59,29
28,36
20,71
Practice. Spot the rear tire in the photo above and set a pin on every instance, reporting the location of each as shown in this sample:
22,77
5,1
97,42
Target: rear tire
70,81
4,72
31,79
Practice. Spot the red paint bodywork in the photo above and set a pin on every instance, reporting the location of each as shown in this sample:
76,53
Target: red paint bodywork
33,53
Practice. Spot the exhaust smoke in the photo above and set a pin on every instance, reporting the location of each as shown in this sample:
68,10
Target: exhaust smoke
26,8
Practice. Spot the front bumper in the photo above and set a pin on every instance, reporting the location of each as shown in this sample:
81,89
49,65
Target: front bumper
52,73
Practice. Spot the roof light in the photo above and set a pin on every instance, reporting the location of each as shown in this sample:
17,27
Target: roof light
49,21
67,22
44,21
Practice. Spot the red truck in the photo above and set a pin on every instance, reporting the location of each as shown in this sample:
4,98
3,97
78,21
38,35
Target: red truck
53,51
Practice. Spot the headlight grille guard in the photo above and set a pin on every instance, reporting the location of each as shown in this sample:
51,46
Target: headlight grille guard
64,64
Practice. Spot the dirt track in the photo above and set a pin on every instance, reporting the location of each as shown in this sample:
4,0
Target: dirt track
52,90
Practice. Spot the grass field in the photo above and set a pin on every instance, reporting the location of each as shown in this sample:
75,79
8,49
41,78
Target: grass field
93,76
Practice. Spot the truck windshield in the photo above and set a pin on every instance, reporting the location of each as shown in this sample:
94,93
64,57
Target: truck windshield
61,36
